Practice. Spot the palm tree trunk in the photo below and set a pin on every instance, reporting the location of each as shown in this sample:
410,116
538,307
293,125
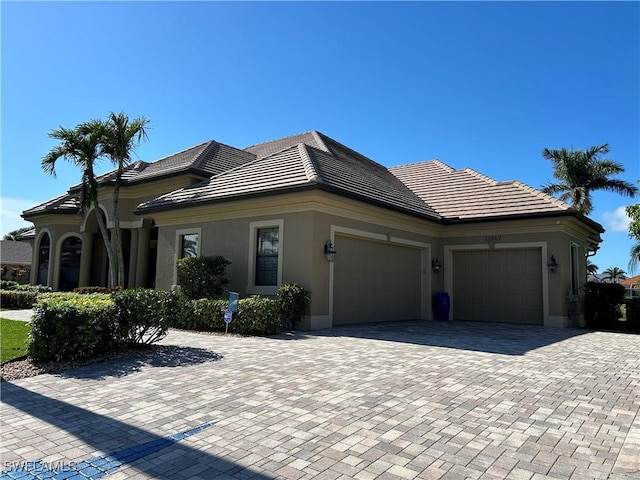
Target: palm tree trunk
107,243
116,221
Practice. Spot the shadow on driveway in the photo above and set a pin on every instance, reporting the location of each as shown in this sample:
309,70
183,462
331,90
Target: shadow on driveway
123,443
156,356
501,338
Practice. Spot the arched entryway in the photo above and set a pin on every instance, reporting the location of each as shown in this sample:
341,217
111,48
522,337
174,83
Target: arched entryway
70,256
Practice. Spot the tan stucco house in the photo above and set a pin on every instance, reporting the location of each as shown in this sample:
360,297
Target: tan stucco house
502,251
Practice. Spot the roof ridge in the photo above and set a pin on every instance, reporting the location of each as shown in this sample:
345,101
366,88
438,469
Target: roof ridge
318,136
434,161
362,155
539,193
277,140
309,166
184,150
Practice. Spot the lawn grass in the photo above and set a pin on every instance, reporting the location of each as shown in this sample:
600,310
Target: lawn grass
13,338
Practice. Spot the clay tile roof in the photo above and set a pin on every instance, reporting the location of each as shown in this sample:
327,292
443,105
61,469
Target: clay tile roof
283,170
321,163
206,159
467,194
15,253
631,281
63,204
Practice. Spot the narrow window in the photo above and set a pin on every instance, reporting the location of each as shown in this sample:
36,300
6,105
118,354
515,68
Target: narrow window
267,256
43,260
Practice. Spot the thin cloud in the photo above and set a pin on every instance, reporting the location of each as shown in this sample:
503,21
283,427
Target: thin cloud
10,210
616,221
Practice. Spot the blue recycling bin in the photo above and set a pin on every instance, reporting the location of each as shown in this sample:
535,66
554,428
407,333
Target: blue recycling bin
441,305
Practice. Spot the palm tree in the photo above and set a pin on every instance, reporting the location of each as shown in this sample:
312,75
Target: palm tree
592,268
633,212
120,136
82,148
614,274
581,172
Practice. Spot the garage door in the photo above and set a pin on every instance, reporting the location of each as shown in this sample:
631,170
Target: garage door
375,281
498,286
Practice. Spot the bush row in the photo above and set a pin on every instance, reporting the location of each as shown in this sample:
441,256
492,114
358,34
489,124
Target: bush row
633,315
72,326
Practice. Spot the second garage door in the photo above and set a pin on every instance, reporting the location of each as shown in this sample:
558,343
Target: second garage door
498,286
375,281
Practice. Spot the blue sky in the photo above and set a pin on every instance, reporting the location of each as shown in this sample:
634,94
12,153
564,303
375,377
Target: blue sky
481,85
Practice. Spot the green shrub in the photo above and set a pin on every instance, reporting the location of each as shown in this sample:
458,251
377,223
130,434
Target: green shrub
203,315
602,302
293,301
144,315
633,315
34,288
17,299
202,277
89,290
8,285
256,316
71,327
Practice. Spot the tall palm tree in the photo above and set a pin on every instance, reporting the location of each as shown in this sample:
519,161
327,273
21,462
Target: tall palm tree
633,212
83,149
614,274
592,268
634,257
582,172
120,136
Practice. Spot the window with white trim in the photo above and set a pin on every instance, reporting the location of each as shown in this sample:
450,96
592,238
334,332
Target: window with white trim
188,243
265,256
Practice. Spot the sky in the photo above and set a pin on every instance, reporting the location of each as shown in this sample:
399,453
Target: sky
483,85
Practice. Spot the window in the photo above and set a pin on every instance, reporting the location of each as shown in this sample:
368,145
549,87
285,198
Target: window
70,254
43,260
189,245
267,256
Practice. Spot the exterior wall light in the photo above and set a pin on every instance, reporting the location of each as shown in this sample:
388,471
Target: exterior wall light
435,264
329,251
552,264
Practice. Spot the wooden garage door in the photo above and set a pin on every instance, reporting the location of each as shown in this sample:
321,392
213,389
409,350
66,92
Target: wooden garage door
375,281
498,286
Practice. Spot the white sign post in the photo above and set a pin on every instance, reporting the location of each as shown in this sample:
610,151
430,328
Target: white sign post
228,316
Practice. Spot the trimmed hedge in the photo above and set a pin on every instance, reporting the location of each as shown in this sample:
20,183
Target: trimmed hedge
204,315
633,315
202,277
71,327
293,301
90,290
602,302
256,316
17,299
144,315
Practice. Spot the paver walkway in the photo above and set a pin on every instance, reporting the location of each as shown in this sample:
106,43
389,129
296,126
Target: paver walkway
450,400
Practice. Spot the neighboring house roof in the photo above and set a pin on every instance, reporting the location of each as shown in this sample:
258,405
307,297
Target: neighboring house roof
467,194
15,253
630,282
322,163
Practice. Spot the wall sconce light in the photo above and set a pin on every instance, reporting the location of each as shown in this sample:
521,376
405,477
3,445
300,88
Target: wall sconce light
552,264
435,264
329,251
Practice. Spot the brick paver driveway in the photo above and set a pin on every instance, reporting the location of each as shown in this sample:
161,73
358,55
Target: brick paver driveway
406,400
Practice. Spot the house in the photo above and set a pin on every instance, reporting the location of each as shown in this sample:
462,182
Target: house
15,260
631,286
502,251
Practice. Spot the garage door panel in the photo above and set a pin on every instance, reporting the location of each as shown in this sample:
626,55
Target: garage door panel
375,281
498,285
